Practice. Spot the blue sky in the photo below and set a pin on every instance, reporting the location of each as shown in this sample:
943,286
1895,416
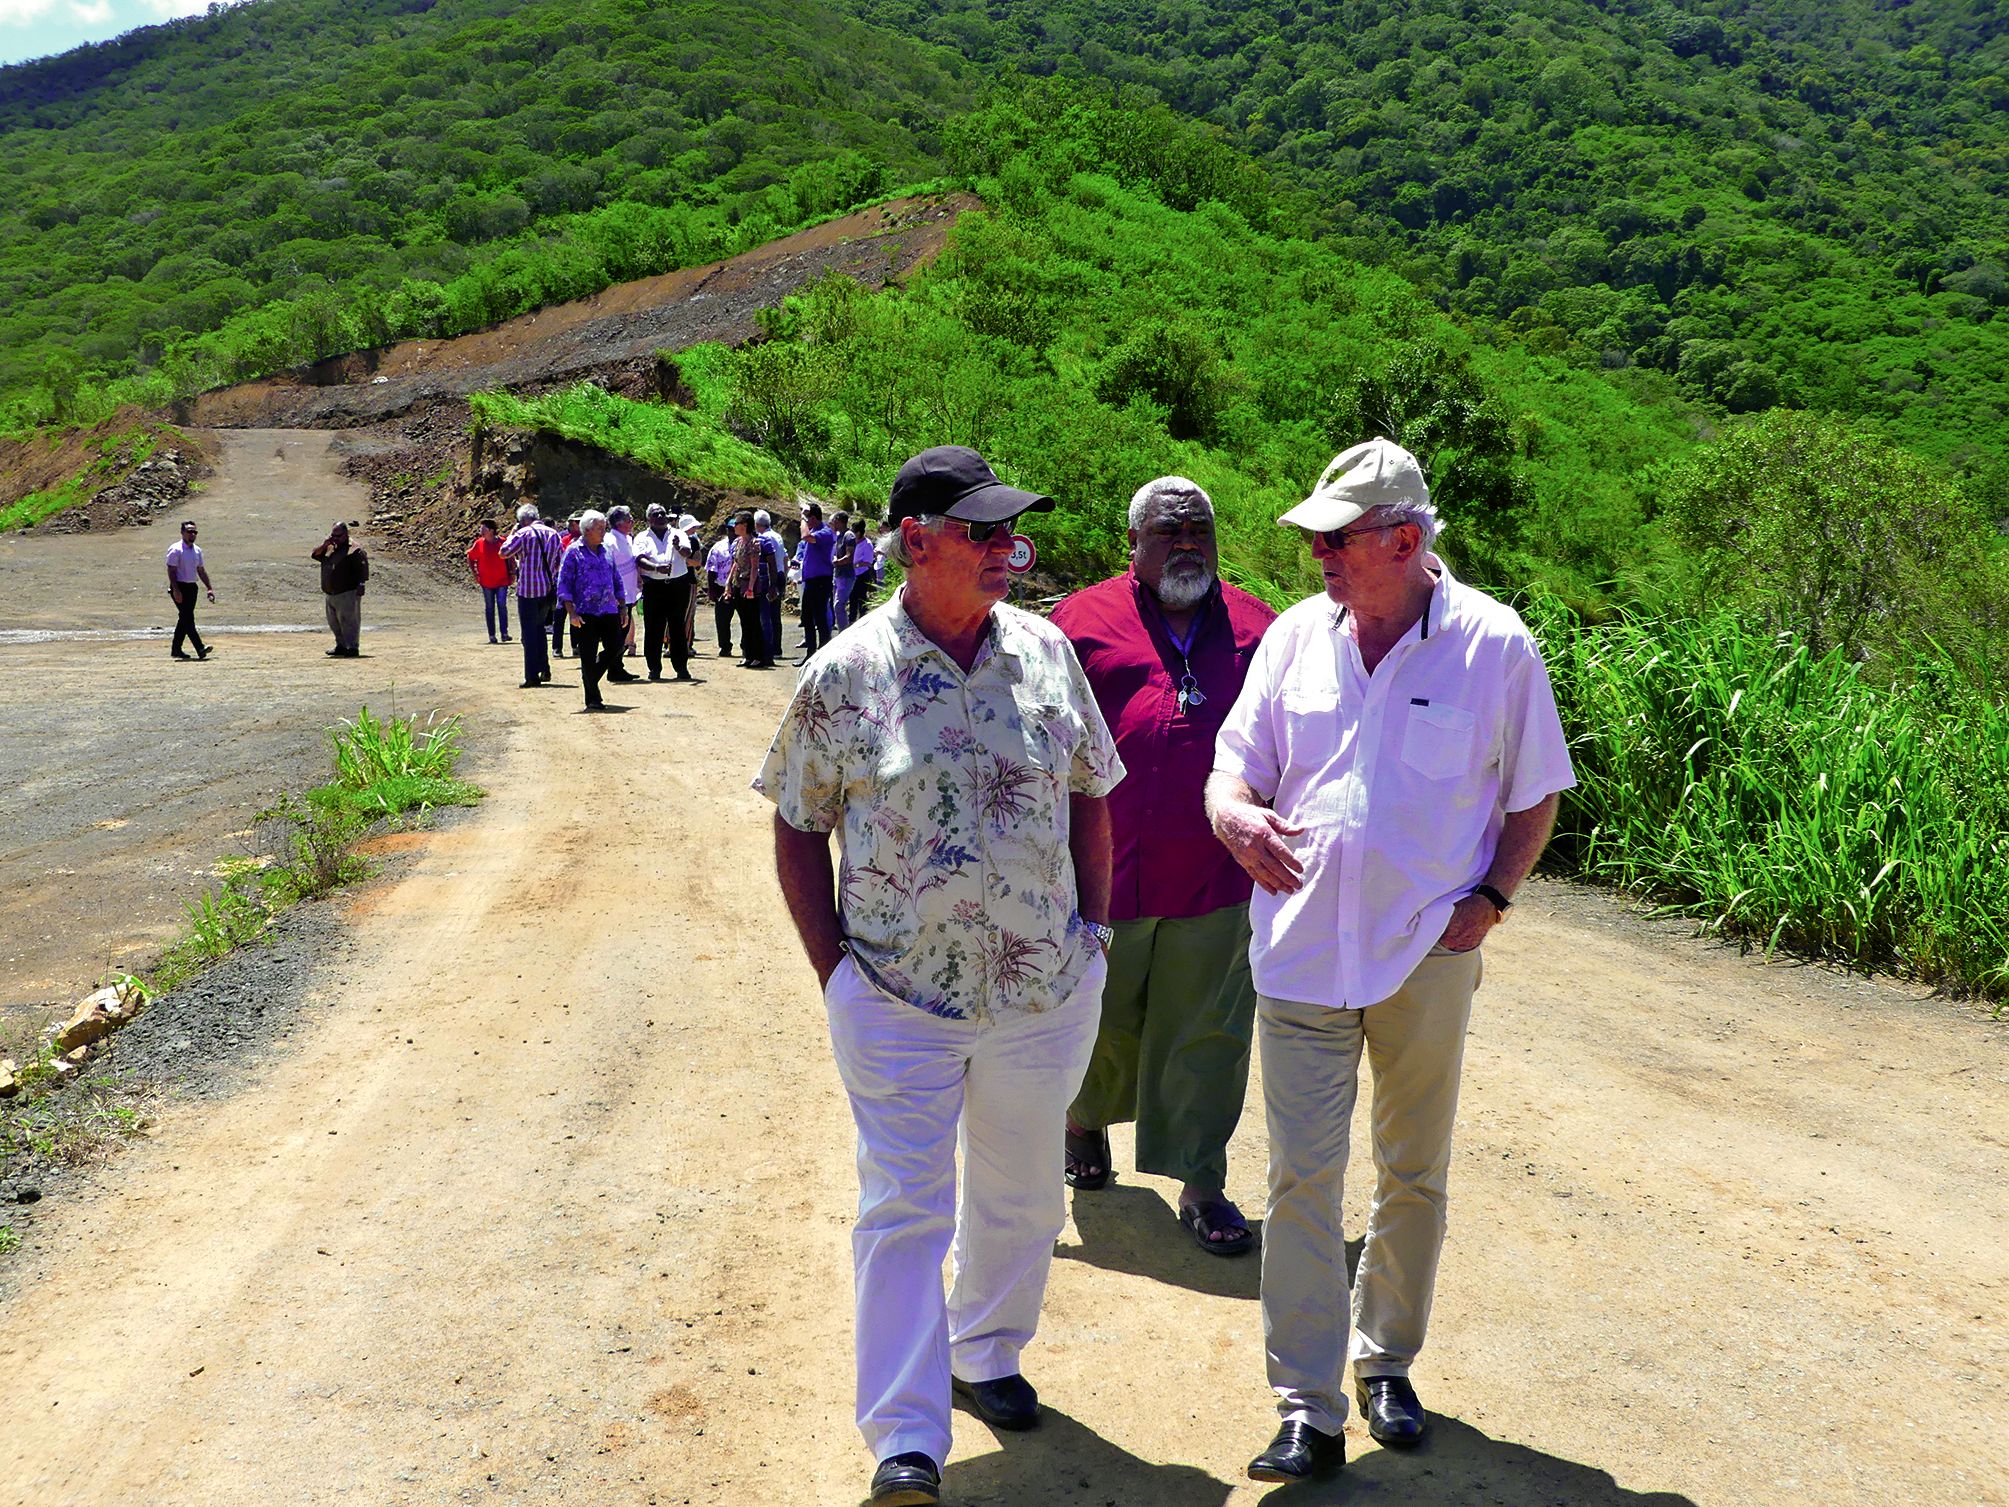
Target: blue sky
36,28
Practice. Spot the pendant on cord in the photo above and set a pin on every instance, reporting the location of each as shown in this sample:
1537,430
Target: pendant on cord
1190,693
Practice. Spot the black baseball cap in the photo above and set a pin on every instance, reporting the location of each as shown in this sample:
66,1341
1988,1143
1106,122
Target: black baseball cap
953,481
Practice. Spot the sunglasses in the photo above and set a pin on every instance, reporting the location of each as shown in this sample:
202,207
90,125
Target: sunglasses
1336,538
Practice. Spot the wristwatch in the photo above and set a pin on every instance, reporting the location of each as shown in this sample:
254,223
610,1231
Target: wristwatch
1500,902
1105,936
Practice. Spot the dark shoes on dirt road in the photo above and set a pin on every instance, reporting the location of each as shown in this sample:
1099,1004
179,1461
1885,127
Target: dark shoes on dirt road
1393,1415
1007,1403
909,1480
1298,1453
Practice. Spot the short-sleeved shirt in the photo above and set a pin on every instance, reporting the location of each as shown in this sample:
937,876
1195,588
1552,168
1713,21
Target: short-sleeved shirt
1168,863
841,570
718,561
817,543
1401,779
660,557
588,584
184,560
861,559
949,793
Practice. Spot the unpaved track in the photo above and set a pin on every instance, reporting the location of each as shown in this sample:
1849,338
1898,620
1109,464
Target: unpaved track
548,1202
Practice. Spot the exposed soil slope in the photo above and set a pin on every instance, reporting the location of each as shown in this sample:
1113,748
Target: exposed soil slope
716,301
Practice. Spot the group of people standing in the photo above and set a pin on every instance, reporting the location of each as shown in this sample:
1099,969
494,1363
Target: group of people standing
1084,862
650,576
748,569
600,576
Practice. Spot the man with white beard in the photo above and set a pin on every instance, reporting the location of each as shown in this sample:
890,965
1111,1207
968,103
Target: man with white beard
1166,646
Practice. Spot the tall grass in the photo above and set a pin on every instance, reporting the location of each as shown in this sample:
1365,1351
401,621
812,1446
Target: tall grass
1781,797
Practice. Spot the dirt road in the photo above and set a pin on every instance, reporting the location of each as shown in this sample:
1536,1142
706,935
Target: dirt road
547,1199
129,775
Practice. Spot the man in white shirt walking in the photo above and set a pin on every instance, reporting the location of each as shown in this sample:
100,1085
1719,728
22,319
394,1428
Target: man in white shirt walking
1388,777
184,569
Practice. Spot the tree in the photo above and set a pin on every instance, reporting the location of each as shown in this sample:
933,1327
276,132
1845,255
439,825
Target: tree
1822,528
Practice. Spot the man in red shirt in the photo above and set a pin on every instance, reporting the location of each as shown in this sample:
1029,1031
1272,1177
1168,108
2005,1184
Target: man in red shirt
491,574
1166,646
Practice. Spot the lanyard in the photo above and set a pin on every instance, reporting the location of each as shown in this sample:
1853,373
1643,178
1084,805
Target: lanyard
1190,694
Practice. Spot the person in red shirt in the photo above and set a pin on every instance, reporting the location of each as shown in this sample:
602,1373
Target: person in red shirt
1166,646
491,574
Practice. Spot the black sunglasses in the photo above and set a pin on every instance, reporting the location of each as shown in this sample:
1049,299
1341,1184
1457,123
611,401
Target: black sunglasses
1335,538
980,533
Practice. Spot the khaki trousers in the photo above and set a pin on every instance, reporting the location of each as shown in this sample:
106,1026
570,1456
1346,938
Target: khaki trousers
1415,1042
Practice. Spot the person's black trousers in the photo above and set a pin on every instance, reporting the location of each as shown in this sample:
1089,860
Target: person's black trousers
559,618
533,619
722,624
598,645
664,605
815,613
753,645
861,595
184,619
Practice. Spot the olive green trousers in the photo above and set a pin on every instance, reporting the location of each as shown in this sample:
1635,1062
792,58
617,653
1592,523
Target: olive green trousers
1178,1013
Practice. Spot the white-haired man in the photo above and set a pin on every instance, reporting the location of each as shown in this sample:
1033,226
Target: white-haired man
954,745
589,591
1166,647
1388,777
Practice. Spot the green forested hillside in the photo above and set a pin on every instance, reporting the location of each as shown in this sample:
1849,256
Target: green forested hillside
348,160
1798,202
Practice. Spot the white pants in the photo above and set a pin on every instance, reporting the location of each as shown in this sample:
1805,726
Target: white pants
918,1085
1415,1041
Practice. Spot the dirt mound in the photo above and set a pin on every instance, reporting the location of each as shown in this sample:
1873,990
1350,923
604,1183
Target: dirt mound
624,324
123,470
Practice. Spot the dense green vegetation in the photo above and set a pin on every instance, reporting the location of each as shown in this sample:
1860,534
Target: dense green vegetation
1776,793
1772,693
1774,201
1690,308
349,172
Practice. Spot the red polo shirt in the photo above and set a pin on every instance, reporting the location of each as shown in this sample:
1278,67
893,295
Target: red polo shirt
1168,862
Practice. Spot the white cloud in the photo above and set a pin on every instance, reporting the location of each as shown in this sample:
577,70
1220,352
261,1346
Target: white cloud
22,12
171,8
91,12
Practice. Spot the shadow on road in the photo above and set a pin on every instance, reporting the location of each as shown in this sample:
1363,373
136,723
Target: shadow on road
1125,1228
1065,1462
1457,1465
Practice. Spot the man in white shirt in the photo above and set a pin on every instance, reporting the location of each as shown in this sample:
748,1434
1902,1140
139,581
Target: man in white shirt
1388,777
718,570
663,558
621,550
184,569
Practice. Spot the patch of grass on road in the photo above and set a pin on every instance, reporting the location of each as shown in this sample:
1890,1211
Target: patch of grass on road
388,770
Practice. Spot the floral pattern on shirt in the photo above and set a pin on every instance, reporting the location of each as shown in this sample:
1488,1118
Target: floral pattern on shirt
949,794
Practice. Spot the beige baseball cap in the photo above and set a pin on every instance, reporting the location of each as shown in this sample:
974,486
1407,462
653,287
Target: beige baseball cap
1370,475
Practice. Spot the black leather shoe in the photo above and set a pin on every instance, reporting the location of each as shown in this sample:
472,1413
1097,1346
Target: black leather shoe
1007,1403
909,1480
1298,1452
1388,1404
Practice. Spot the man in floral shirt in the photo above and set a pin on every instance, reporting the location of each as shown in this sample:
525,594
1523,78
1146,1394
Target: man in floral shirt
954,745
